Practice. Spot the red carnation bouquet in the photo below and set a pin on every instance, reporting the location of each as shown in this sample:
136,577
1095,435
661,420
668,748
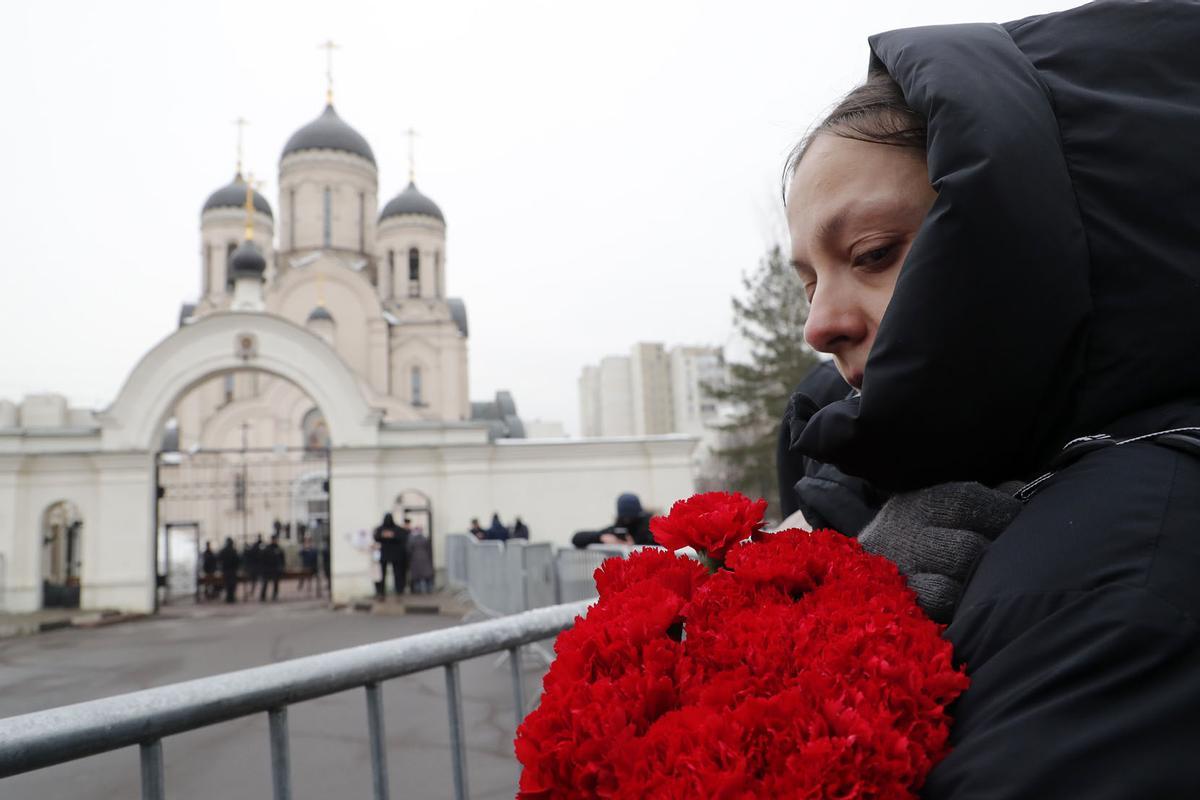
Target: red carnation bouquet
785,665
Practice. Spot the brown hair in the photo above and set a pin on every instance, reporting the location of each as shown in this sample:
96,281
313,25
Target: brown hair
875,111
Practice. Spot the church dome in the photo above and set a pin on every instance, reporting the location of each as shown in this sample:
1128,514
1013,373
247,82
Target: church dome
247,261
320,314
329,132
411,201
233,195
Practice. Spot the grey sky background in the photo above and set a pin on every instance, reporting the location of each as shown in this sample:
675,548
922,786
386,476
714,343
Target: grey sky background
607,170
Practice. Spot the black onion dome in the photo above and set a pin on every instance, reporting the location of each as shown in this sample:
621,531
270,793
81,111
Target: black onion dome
320,313
411,201
247,261
329,132
233,195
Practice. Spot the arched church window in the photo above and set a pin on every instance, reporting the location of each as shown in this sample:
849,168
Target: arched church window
316,433
391,273
415,388
207,277
414,272
327,227
291,219
229,248
228,387
437,273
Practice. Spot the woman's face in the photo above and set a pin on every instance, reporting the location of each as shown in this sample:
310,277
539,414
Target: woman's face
853,210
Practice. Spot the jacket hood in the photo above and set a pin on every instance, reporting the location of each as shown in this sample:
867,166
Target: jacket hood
1054,286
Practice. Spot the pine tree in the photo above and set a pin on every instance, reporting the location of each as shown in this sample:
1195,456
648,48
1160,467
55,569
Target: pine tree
770,318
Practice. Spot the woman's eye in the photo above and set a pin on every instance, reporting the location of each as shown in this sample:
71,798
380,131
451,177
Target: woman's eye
874,256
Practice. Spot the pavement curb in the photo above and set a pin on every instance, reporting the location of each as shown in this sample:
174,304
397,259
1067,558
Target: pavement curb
91,619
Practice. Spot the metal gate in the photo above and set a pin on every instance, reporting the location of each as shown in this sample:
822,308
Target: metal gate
209,495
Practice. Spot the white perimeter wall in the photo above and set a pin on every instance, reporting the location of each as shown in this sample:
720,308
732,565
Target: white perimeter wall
556,486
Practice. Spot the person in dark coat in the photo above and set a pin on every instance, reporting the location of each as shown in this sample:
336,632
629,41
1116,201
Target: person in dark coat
309,567
632,526
230,561
393,547
208,562
496,532
1029,228
520,529
420,561
252,563
271,568
477,531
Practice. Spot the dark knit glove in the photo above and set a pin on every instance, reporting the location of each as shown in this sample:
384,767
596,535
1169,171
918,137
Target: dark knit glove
935,535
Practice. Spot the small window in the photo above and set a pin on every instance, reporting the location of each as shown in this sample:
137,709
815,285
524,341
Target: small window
228,385
327,236
437,273
417,399
229,248
291,219
362,222
414,273
391,273
207,277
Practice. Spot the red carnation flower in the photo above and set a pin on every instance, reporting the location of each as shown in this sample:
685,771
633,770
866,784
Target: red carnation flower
712,523
802,669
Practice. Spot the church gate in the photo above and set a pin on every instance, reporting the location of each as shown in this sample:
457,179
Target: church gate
205,496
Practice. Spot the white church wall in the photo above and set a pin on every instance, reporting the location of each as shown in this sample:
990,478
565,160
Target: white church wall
12,500
556,487
354,195
118,563
397,236
348,298
31,484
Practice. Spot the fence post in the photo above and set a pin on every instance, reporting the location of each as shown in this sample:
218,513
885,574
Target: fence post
378,741
153,786
281,776
458,750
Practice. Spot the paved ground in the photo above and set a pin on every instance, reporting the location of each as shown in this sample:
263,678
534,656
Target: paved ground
330,757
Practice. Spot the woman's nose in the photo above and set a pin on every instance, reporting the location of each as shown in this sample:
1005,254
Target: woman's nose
835,321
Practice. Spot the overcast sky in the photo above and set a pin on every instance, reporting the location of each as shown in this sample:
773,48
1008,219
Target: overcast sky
607,169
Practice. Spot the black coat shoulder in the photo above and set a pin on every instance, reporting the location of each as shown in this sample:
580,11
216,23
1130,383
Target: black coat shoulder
1079,631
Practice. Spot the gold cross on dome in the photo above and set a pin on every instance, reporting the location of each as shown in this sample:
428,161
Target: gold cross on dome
412,158
241,124
329,47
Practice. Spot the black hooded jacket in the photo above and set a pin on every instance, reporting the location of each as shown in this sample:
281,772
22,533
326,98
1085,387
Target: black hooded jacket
1052,292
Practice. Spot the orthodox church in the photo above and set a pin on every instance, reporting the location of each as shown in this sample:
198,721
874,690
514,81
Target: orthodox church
370,282
319,380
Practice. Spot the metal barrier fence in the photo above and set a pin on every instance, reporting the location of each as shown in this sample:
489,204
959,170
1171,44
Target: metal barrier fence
507,577
44,738
456,559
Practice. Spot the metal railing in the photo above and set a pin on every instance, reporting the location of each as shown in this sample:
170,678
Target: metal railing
143,719
503,578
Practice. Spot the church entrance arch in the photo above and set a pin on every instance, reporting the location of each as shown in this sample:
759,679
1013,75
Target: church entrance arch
62,528
227,483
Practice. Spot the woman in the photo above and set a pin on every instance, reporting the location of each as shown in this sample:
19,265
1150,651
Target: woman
1000,241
